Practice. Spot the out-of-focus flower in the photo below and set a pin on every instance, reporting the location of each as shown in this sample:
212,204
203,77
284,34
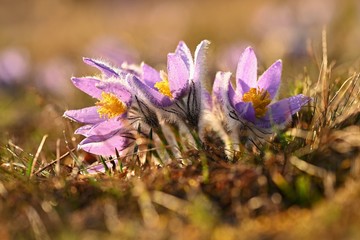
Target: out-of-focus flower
106,127
14,65
178,91
112,50
228,56
295,22
251,102
51,76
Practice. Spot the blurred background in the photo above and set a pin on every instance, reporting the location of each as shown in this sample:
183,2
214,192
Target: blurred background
42,44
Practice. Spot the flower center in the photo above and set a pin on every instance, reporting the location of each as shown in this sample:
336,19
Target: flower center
110,106
260,100
163,86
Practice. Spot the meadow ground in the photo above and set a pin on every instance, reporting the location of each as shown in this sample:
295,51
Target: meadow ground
303,184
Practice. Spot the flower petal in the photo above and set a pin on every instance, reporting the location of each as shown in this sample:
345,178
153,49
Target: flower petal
224,96
206,100
83,130
118,90
246,72
245,111
105,144
221,88
88,86
100,168
178,76
87,115
152,95
296,102
132,69
270,79
102,66
183,51
106,127
280,112
199,62
150,76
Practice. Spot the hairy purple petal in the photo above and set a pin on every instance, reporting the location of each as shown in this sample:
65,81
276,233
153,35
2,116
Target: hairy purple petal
246,73
153,95
233,98
245,111
106,127
83,130
224,93
221,87
103,67
104,144
199,62
270,79
100,168
88,86
296,102
183,51
87,115
150,75
289,105
178,76
206,100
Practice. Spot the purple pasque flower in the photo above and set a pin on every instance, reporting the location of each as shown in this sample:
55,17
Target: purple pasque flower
178,91
125,75
252,99
14,66
106,127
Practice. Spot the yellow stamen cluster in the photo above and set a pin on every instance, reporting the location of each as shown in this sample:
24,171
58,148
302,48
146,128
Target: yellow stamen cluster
110,106
163,86
260,100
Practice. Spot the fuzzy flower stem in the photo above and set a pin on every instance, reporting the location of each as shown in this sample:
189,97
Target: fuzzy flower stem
164,141
205,167
176,132
156,154
198,142
151,146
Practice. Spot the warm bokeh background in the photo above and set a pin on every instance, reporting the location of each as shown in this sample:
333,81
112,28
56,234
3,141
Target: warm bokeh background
304,186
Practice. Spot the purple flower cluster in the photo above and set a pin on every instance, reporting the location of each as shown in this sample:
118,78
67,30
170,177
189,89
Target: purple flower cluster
130,95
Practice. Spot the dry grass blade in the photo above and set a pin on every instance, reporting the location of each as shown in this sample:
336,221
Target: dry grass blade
15,146
343,89
327,177
321,93
57,160
57,166
347,103
37,224
150,216
33,162
171,202
345,141
112,220
324,74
